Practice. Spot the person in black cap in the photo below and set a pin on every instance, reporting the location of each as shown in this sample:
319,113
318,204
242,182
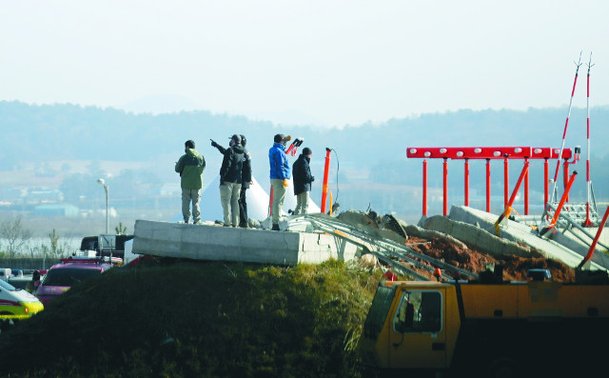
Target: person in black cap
231,175
279,174
246,180
302,180
190,167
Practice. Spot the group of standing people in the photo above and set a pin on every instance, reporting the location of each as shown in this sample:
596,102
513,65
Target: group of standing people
236,178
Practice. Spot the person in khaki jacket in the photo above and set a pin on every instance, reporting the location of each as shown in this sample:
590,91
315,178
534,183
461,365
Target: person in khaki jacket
190,167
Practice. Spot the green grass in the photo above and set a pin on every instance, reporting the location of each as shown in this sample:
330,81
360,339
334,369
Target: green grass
199,319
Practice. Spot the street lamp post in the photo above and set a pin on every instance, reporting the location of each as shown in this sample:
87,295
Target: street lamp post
102,182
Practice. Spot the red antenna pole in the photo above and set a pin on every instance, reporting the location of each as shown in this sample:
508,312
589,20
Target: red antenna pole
488,185
445,187
466,182
424,187
506,181
564,133
588,222
566,176
546,182
526,189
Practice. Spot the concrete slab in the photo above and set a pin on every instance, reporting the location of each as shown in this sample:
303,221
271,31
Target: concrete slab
476,237
204,242
519,233
573,237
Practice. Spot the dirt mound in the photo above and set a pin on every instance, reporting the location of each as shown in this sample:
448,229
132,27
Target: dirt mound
515,267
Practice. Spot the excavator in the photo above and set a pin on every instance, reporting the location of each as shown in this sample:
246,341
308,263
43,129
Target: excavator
490,327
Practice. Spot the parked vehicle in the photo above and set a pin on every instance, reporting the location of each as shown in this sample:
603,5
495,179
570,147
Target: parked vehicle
107,245
491,327
16,273
17,303
5,273
20,282
69,272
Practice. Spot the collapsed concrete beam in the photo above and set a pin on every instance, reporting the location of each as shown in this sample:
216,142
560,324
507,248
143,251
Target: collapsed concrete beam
424,233
202,242
519,233
476,237
574,239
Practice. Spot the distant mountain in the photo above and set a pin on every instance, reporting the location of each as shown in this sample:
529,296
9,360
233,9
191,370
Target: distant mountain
72,131
366,153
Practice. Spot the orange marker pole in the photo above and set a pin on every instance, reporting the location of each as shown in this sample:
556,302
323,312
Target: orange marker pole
563,199
324,186
508,209
601,227
271,194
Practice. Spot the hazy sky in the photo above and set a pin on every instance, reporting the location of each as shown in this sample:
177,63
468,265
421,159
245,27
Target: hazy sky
311,61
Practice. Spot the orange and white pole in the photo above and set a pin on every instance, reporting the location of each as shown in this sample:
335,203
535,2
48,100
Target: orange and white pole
564,133
588,221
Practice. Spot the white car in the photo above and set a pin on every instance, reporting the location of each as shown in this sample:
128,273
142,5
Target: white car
17,303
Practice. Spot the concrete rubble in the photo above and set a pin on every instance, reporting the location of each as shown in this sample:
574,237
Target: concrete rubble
462,243
217,243
523,235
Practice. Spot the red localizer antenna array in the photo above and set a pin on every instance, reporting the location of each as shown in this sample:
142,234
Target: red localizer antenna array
468,154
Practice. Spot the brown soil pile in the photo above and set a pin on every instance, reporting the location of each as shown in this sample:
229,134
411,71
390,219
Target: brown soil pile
515,267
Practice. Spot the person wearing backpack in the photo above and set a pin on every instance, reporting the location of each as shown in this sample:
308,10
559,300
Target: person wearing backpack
190,166
231,176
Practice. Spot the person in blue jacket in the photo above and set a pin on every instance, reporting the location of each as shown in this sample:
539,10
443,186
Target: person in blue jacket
280,174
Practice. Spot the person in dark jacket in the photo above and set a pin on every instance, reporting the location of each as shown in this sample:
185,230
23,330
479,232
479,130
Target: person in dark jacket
190,166
246,180
231,176
302,180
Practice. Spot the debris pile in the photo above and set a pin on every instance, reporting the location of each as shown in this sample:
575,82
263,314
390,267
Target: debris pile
423,249
514,267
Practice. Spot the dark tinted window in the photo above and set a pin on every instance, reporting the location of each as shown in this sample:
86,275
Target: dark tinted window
378,311
419,311
68,276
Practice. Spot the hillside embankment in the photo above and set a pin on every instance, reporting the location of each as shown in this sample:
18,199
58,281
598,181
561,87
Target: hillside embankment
184,319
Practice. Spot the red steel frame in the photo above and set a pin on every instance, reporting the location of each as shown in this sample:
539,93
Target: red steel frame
488,154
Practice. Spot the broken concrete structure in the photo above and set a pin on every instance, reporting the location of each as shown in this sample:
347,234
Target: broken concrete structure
207,242
522,234
476,237
574,240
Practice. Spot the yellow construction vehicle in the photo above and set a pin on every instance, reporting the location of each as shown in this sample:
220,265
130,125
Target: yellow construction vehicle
490,328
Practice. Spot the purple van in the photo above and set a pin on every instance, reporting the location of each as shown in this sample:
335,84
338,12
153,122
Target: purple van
69,272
